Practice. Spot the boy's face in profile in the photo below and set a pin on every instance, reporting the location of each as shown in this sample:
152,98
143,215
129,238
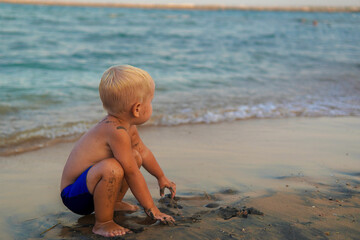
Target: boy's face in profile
146,109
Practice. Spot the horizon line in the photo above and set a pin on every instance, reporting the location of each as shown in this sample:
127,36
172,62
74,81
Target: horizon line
189,6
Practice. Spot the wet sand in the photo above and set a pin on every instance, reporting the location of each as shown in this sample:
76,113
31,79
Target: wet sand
256,179
188,6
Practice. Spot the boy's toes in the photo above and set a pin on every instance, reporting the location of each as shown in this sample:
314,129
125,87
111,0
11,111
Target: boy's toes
109,234
121,232
109,229
117,233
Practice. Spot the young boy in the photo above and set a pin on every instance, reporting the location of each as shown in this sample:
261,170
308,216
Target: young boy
105,161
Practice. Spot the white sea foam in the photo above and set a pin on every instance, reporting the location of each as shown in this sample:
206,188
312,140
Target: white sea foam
266,110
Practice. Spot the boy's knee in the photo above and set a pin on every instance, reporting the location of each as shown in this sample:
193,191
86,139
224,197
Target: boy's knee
112,168
109,170
137,157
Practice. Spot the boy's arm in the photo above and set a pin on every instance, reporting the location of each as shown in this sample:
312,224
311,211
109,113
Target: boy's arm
120,144
151,165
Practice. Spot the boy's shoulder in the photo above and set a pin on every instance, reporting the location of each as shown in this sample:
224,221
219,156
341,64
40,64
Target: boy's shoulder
119,141
107,130
110,125
115,132
124,136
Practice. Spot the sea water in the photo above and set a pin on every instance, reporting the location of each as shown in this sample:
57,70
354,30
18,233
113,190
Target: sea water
208,66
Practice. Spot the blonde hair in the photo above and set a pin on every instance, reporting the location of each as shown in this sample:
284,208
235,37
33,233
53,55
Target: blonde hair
121,86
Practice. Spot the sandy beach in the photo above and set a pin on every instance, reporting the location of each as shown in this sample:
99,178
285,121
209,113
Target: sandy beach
257,179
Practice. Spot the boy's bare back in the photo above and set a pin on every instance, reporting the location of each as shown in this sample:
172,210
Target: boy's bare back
93,147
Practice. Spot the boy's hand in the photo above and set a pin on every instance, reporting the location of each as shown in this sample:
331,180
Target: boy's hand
164,182
155,214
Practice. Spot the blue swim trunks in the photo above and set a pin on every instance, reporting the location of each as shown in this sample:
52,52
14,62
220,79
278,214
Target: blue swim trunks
77,197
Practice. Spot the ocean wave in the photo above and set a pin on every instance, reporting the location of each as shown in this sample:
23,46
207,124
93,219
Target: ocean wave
44,136
39,137
7,109
266,110
112,36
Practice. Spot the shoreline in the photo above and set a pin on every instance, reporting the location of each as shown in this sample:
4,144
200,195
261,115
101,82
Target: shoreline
300,172
35,145
190,6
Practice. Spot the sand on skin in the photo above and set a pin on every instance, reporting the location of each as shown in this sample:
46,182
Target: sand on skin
298,161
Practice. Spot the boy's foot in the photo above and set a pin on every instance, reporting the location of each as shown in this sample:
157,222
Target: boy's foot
109,229
126,207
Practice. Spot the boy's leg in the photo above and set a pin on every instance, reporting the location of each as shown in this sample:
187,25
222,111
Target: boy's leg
103,181
123,206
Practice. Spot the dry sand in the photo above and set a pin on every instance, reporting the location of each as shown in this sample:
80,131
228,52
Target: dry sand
303,174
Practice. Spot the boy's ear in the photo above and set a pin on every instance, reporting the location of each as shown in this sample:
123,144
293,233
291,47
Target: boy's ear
135,110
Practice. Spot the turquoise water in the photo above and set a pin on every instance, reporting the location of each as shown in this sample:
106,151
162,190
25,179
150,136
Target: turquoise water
209,66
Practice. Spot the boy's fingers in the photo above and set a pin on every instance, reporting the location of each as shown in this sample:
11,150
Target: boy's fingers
173,186
168,219
164,220
173,190
162,191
